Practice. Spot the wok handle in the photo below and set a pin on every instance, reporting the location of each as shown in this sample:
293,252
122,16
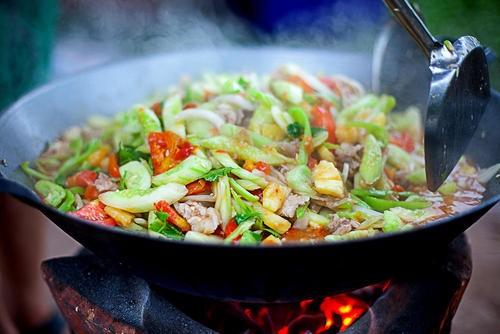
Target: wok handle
19,191
411,21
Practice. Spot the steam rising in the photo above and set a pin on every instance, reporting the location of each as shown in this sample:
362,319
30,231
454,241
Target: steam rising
95,31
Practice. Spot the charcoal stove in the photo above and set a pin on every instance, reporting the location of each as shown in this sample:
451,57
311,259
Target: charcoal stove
96,296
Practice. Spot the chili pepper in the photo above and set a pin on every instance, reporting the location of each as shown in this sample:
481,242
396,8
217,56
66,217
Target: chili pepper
113,167
381,205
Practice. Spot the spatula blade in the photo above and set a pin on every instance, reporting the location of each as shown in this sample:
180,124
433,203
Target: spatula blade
458,97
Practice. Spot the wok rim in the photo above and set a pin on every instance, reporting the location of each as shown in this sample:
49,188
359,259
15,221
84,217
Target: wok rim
39,205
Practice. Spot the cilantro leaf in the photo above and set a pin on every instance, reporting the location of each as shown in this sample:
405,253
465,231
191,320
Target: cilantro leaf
215,174
128,153
243,83
272,232
161,226
295,130
162,216
241,217
301,211
250,238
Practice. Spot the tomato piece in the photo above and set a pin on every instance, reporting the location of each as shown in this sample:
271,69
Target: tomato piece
295,79
259,165
323,118
258,192
184,150
311,162
157,108
332,84
95,158
190,105
230,227
167,150
403,140
398,188
263,167
91,192
173,217
81,179
249,165
113,168
94,212
198,187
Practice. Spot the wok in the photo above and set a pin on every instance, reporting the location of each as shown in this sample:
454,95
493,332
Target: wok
257,274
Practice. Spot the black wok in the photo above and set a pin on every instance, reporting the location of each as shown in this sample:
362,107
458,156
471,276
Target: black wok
284,273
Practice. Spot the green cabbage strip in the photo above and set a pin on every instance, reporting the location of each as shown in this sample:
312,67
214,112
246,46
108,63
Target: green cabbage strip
244,151
187,171
371,165
225,160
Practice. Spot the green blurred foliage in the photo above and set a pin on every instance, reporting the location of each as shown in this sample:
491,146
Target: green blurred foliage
455,18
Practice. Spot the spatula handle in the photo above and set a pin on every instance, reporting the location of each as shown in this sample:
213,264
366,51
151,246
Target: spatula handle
409,19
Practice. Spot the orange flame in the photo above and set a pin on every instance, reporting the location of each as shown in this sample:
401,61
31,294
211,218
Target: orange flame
318,316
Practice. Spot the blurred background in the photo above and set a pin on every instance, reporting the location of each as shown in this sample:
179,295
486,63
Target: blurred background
45,40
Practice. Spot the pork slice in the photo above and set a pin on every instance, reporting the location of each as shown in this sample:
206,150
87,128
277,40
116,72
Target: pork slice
202,219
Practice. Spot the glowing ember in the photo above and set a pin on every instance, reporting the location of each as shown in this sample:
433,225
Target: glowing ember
331,314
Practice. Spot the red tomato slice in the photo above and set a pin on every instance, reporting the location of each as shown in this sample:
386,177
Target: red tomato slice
263,167
258,192
295,79
198,187
323,118
94,212
403,140
330,83
190,105
91,192
398,188
81,179
311,162
230,227
184,150
157,108
167,150
259,165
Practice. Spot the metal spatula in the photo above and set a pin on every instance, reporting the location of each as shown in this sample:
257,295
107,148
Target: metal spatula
458,95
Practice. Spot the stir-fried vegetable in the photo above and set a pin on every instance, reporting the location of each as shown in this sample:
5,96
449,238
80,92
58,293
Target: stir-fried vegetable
139,200
371,163
251,160
187,171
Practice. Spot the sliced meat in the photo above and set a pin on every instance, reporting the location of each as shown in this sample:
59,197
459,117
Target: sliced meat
289,148
202,219
350,154
292,202
104,183
340,226
229,113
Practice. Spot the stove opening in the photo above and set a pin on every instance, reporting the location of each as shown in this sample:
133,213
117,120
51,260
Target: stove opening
331,314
